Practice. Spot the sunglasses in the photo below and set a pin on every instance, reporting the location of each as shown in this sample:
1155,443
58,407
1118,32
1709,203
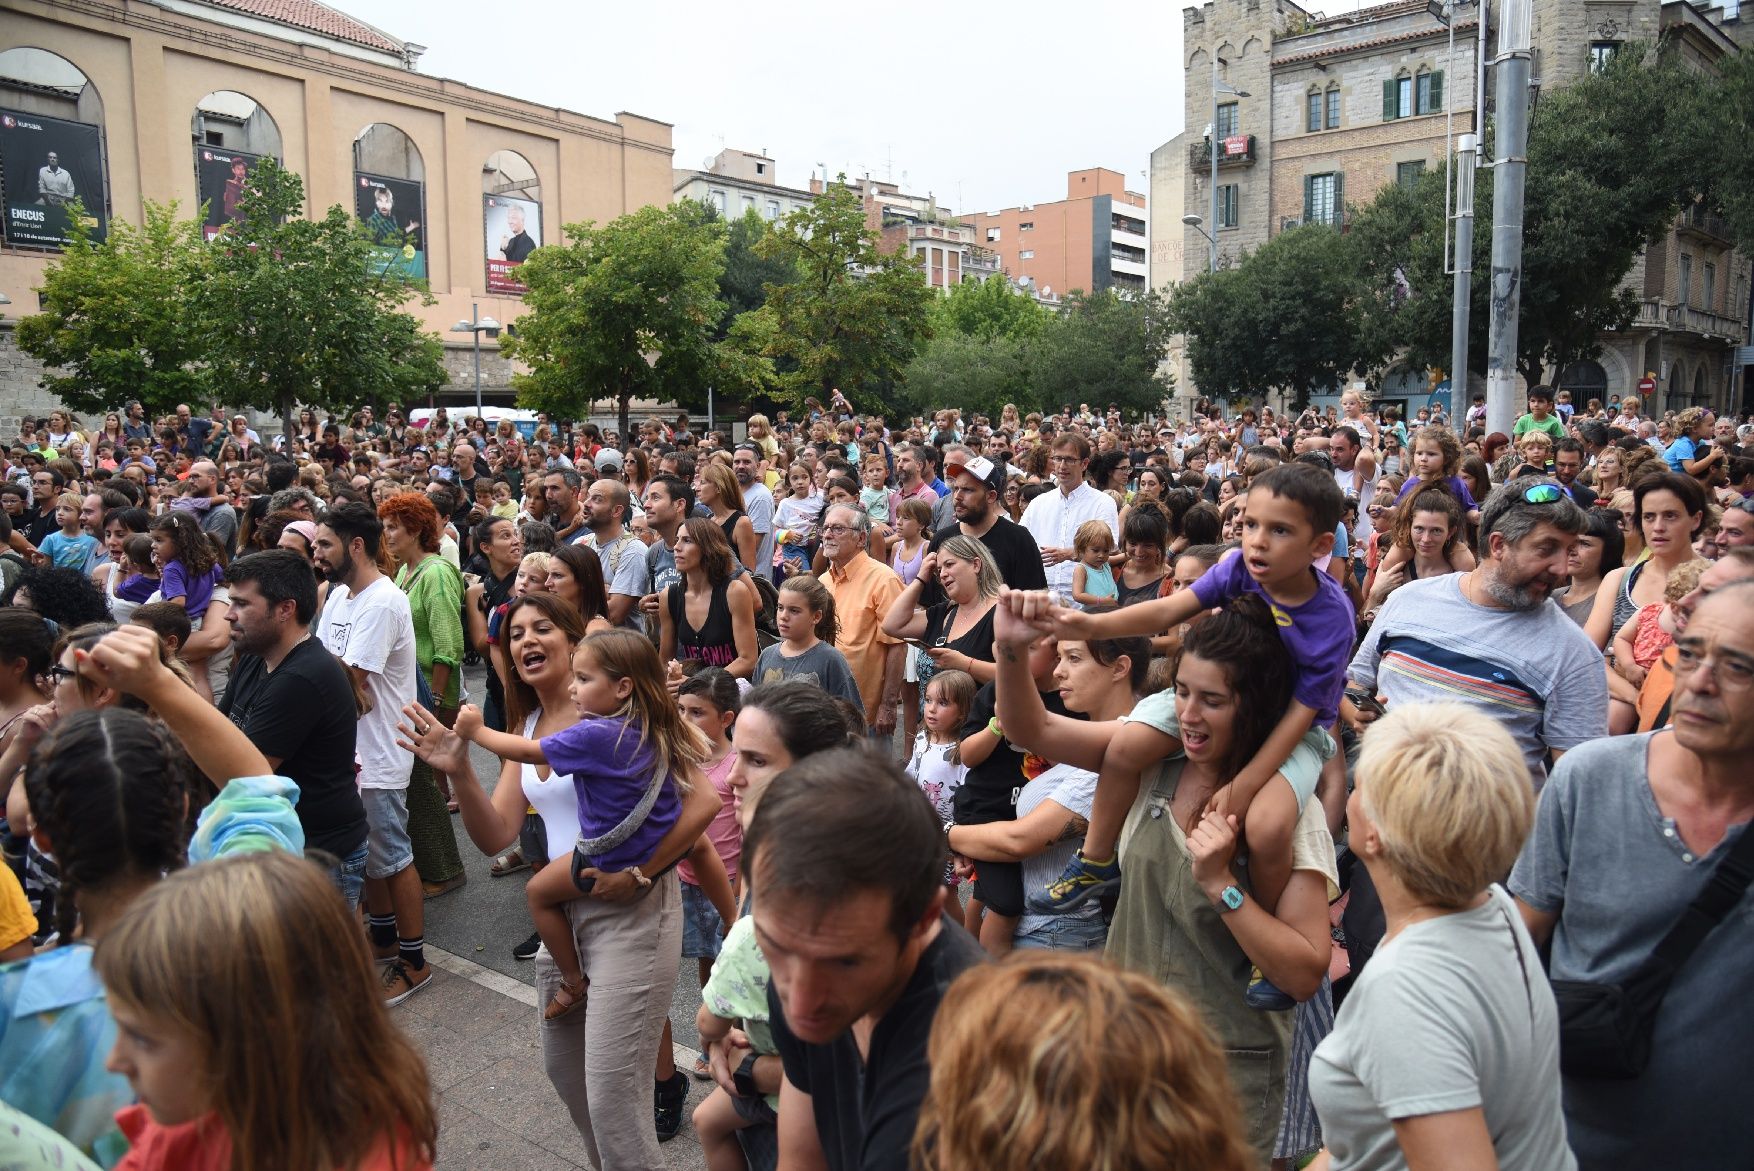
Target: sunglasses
59,673
1543,493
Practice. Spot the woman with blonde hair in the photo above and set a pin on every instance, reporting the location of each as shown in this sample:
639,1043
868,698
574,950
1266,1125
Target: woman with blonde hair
1049,1059
259,947
1446,1052
715,486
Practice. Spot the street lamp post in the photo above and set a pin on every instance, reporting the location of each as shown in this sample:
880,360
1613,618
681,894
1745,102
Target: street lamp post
475,327
1218,87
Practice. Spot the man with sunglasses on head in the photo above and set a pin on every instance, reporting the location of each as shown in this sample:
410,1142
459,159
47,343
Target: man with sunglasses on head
1493,637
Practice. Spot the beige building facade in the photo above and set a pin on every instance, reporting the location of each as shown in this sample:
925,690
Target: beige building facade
1093,239
172,84
1338,107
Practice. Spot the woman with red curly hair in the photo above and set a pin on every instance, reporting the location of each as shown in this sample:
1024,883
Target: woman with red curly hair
412,529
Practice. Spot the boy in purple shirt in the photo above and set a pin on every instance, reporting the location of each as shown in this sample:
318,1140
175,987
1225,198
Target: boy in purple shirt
1289,522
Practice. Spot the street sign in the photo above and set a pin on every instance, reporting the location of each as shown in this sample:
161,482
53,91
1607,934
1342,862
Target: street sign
1647,385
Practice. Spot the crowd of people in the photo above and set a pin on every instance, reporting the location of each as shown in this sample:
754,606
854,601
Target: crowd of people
1335,789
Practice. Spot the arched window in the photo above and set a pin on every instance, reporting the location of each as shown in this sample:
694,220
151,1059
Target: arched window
389,196
232,132
1585,380
51,149
511,213
1701,396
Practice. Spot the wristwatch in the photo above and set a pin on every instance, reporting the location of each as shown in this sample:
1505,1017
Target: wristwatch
1230,899
744,1078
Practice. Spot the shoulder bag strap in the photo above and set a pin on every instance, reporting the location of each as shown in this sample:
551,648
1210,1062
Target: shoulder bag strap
1729,881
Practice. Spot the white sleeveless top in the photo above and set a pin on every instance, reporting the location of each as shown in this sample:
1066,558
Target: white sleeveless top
121,609
555,800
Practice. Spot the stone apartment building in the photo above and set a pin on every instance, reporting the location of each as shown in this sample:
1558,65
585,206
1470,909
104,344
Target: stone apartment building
1334,108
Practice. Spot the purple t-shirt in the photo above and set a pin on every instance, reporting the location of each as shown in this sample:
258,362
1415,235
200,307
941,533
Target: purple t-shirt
1318,633
1456,484
196,591
610,770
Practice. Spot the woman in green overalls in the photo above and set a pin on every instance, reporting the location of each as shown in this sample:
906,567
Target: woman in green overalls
1185,916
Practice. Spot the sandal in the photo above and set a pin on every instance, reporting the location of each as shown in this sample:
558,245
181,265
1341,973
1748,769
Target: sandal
509,862
566,998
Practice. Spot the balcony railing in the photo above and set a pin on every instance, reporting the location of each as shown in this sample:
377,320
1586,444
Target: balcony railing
1657,315
1238,150
1700,222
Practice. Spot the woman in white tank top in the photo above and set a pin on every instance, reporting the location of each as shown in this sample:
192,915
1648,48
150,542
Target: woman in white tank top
629,936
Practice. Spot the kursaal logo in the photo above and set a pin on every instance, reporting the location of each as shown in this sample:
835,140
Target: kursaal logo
8,121
12,123
207,156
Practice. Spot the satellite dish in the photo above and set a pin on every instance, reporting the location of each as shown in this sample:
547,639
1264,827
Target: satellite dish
1047,290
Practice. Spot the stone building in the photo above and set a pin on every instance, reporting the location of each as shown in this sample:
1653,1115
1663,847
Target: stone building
163,96
1334,108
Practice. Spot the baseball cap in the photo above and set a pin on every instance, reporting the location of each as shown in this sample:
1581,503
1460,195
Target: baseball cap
981,468
608,460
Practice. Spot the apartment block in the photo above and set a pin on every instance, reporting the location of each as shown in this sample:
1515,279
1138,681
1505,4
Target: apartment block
1095,238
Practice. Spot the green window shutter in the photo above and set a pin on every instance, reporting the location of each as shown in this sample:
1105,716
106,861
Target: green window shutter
1339,197
1436,92
1308,197
1390,102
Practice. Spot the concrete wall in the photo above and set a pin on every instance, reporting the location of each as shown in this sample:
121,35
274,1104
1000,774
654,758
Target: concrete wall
149,68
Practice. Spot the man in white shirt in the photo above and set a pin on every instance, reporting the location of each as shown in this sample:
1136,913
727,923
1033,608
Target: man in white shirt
1053,517
366,623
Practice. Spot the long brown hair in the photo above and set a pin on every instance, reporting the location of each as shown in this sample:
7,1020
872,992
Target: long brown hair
1243,640
1049,1059
676,743
816,597
258,961
520,698
716,560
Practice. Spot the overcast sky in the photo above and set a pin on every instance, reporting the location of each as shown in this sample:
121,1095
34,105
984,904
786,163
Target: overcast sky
985,106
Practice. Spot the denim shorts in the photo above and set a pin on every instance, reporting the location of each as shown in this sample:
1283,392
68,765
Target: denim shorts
388,850
348,874
701,925
1065,933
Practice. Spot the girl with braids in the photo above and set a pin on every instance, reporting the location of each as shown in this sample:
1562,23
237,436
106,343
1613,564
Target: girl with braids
258,946
109,791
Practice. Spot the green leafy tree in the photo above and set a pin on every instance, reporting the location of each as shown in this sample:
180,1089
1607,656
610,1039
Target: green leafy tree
1612,159
1104,348
1285,317
117,320
989,309
978,374
301,311
623,310
1732,123
850,318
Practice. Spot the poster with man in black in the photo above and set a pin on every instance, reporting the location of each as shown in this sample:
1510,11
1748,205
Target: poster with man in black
46,164
392,211
221,177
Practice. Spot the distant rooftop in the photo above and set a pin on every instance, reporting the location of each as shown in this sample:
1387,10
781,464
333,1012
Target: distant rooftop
315,18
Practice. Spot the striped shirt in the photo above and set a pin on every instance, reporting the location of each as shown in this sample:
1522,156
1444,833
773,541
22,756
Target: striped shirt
1534,671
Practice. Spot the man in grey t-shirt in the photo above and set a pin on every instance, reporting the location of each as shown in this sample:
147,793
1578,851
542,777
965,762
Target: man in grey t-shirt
1627,833
746,462
1493,638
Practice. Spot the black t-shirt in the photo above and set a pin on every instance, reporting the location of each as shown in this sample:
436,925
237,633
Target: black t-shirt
989,791
1014,551
302,712
866,1109
976,642
495,592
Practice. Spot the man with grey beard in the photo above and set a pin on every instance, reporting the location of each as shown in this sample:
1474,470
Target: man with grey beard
1494,638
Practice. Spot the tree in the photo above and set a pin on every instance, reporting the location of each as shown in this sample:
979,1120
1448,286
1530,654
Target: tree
989,309
980,375
1104,348
303,311
625,309
1734,165
117,320
850,318
1285,317
1612,158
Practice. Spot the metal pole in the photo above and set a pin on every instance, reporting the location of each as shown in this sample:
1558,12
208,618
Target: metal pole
1464,287
475,332
1212,153
709,408
1512,64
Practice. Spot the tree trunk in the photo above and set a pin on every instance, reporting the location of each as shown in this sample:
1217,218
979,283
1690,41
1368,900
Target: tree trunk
287,425
623,400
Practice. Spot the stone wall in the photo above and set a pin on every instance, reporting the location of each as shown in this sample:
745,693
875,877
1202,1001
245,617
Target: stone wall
19,393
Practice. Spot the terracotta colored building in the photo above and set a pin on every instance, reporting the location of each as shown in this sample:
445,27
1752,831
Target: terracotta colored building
1095,238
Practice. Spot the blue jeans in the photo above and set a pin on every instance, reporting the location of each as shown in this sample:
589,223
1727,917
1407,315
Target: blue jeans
348,875
1066,933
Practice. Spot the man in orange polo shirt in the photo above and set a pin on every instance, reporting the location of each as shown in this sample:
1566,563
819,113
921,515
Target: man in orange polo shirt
1659,682
863,590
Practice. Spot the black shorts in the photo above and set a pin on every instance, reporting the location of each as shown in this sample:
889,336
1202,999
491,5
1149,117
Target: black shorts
1000,886
533,840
